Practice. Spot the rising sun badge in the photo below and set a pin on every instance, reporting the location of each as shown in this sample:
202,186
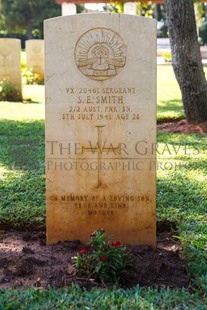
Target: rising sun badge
100,54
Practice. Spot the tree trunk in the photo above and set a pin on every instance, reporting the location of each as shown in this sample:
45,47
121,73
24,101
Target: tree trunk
29,29
186,59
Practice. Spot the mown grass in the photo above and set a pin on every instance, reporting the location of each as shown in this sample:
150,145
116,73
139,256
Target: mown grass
181,201
113,299
22,186
169,105
181,196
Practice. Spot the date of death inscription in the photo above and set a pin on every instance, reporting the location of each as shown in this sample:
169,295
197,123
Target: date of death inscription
100,104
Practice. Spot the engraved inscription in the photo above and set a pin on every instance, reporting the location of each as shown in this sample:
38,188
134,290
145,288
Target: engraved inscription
100,104
100,128
100,54
108,205
100,148
6,59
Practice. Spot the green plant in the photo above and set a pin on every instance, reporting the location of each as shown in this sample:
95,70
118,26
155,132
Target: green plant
33,78
167,57
203,31
9,92
103,259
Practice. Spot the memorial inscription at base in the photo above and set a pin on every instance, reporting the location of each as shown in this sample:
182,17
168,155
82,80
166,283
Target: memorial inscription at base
101,127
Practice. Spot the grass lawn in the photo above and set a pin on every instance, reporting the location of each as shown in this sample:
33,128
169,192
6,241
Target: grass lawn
168,95
181,201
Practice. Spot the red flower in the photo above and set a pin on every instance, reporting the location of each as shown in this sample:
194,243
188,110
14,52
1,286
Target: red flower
83,251
116,243
103,258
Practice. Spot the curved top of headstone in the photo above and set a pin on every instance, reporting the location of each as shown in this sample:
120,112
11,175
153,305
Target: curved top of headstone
100,42
100,15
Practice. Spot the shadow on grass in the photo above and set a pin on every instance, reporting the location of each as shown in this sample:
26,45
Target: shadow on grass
174,105
170,110
179,197
22,183
22,144
176,145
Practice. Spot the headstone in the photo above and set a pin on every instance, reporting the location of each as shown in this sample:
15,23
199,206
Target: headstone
100,127
68,9
10,61
35,56
130,8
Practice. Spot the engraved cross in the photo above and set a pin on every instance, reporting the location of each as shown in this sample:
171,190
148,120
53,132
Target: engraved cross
100,148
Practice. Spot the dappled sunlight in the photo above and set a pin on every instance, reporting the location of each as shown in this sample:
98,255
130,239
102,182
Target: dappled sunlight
17,246
172,104
22,199
197,176
180,195
6,173
176,151
191,140
181,176
170,109
183,157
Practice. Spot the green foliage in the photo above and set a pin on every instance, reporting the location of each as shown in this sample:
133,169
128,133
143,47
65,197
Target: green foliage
162,30
145,9
167,57
9,92
201,10
203,32
32,78
114,299
26,16
103,259
114,7
80,8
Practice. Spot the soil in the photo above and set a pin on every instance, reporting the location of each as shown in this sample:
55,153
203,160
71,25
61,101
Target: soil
26,261
183,127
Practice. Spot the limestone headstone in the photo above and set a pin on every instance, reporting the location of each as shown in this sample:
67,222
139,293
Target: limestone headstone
100,127
10,61
130,8
35,56
68,9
